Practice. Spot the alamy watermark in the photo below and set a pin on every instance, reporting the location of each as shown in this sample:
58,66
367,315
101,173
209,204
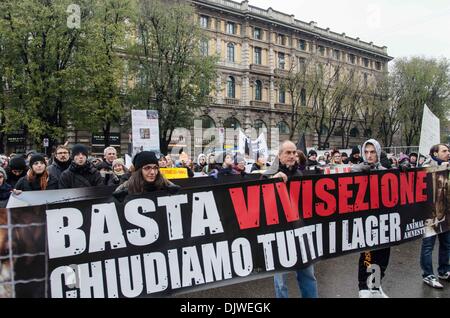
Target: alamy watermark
74,19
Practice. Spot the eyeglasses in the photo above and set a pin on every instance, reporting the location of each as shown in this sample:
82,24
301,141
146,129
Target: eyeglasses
148,168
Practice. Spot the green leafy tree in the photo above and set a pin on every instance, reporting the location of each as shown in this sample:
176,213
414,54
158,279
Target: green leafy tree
172,75
103,61
415,82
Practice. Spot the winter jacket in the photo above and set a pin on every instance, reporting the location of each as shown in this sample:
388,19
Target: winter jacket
25,185
80,177
12,178
57,168
122,193
5,191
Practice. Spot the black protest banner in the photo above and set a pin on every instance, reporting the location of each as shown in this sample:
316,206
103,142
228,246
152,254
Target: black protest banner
161,244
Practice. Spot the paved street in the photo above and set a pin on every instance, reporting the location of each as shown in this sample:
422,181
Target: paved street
337,278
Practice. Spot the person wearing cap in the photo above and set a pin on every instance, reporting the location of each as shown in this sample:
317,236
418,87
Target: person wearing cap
81,173
239,166
145,178
37,178
29,154
61,162
355,156
5,188
345,158
121,171
312,159
17,169
413,159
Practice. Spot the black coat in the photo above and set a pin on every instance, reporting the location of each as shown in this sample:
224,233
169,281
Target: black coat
25,185
5,191
121,194
80,177
12,178
57,168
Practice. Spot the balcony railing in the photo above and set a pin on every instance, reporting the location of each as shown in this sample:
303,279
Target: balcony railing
232,101
260,68
260,104
283,107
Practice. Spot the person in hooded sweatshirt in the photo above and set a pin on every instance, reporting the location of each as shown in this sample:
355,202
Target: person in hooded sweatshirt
17,169
61,162
81,173
371,161
37,178
201,163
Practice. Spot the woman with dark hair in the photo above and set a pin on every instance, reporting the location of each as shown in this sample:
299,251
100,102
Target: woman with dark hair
37,177
145,178
301,160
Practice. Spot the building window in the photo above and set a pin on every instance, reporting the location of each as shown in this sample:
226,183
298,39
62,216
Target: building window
207,122
258,58
301,64
302,45
366,79
321,50
281,61
281,39
351,58
354,133
258,90
204,47
204,21
283,128
336,55
232,123
303,97
231,28
260,127
378,66
337,74
366,62
230,52
339,132
231,87
257,33
282,96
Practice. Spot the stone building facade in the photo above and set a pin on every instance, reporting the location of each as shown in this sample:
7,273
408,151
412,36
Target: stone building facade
254,46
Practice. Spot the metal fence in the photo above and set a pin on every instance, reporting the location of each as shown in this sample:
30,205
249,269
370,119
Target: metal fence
23,263
396,151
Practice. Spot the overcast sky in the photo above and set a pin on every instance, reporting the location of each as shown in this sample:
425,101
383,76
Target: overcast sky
407,28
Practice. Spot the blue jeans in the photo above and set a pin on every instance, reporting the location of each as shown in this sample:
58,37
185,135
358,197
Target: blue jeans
426,261
306,280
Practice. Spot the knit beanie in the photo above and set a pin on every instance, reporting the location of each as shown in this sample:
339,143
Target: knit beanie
37,157
144,158
77,149
18,163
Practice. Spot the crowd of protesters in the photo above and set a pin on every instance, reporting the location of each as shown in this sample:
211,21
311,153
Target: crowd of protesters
75,168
